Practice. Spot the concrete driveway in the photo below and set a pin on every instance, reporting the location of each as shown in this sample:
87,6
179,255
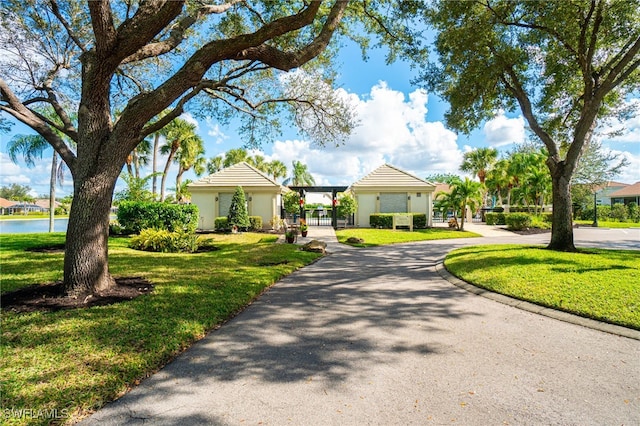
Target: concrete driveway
376,337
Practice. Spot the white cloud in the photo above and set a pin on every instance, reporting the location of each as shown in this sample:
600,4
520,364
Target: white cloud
215,132
502,130
392,130
631,173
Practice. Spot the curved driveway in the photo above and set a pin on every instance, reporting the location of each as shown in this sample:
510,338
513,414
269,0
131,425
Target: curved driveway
376,337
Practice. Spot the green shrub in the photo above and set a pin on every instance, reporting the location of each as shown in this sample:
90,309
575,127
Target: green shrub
347,205
385,220
255,223
291,202
115,228
634,211
518,221
541,221
495,218
161,240
135,216
238,215
221,223
381,220
419,220
619,212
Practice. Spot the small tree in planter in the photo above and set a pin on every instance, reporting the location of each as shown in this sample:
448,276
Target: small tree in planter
347,205
291,202
238,217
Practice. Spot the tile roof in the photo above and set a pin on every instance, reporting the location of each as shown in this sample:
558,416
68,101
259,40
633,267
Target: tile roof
627,191
241,174
388,176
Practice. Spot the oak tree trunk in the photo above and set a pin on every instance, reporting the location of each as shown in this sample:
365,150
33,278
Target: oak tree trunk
562,219
86,267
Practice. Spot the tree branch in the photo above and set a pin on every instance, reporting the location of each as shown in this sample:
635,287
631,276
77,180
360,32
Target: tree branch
286,61
56,11
15,108
103,29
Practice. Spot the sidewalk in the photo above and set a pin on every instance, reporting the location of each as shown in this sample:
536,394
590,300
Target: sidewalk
481,228
322,233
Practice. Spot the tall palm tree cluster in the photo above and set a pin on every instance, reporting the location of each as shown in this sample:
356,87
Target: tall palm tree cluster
276,168
521,177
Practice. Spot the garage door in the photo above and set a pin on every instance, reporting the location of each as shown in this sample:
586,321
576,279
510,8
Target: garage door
393,202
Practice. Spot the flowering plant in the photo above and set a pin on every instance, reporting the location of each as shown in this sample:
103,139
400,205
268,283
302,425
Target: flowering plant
303,225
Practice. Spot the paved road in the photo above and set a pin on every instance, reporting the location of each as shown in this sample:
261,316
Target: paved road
376,337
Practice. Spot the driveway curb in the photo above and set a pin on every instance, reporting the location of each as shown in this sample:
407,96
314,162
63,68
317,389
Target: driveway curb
537,309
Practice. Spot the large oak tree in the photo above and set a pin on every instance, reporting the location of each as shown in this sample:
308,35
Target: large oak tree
567,65
118,65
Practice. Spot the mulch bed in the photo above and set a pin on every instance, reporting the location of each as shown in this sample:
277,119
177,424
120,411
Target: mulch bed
51,297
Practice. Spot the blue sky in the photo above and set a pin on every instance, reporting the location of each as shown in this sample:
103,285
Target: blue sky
400,124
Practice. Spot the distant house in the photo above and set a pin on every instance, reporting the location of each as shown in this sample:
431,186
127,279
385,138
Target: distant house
626,195
388,189
5,204
213,194
25,208
603,192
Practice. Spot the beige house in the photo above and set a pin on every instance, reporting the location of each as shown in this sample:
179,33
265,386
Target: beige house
390,190
213,194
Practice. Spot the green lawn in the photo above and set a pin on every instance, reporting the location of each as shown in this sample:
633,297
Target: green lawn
378,237
76,360
606,224
599,284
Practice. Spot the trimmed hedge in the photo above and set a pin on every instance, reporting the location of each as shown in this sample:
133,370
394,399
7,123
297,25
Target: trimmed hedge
495,218
135,216
518,221
222,223
385,220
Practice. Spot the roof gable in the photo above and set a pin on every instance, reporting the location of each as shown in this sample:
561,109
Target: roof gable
241,174
388,176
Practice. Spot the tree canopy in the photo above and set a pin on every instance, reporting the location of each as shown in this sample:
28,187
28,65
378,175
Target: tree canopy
566,65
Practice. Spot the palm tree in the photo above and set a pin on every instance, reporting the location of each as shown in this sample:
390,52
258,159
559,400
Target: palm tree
299,175
235,156
178,131
30,147
258,162
277,169
498,179
478,162
214,165
464,194
190,155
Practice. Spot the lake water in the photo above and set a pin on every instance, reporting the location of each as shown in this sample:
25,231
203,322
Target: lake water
31,225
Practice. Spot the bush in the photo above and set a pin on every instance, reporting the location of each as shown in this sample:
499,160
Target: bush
385,220
161,240
291,202
255,223
541,221
115,228
518,221
135,216
619,212
634,211
495,218
221,224
347,205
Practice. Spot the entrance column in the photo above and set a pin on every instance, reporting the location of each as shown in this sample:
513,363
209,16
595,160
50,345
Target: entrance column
334,210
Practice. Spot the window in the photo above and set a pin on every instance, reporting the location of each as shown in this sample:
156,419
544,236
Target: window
393,202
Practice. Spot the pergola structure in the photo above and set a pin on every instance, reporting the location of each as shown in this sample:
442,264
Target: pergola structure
334,200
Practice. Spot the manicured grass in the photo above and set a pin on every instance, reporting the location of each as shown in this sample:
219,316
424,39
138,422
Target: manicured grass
599,284
378,237
606,224
76,360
